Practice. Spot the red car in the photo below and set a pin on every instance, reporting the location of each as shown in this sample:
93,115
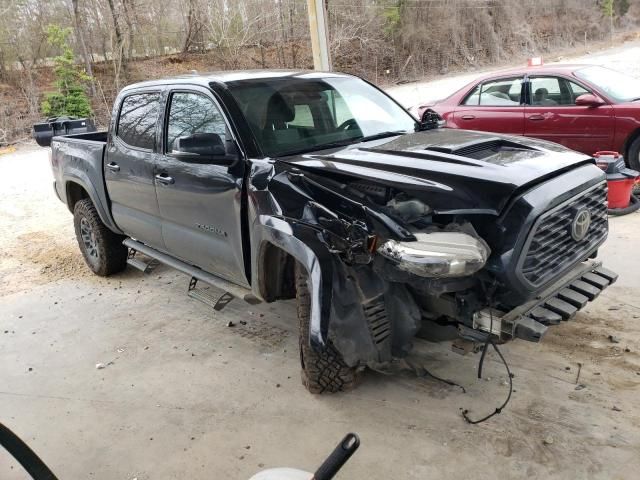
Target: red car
584,107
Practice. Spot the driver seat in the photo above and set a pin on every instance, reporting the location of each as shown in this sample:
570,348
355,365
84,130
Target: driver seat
276,132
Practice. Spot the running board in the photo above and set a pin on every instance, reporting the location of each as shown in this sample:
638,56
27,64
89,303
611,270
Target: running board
144,267
217,302
194,272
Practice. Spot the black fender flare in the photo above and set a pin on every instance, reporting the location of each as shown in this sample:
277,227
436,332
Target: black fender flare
306,245
98,200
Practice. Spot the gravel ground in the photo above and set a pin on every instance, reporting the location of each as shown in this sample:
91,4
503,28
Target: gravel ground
184,396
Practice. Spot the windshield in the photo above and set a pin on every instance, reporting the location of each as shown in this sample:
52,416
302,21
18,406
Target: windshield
294,115
618,86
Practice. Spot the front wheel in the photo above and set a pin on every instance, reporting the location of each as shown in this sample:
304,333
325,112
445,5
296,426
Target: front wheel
325,371
102,249
633,154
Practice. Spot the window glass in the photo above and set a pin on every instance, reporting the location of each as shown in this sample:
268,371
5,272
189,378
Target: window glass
137,121
616,85
191,114
577,90
549,91
303,117
305,113
496,93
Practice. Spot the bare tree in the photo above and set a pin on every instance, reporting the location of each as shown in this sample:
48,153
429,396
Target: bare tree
79,31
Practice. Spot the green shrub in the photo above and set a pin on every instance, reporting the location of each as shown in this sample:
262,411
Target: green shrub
71,98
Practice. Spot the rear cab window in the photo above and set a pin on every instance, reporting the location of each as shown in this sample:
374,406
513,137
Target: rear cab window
503,92
137,120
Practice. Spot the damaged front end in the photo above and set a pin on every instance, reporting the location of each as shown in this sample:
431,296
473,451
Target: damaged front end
385,266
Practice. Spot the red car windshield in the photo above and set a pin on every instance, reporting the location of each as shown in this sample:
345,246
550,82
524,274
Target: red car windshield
618,86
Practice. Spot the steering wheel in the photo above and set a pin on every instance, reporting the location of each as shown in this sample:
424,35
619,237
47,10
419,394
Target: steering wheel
350,124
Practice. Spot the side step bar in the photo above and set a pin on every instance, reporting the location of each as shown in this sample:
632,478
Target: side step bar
144,267
235,290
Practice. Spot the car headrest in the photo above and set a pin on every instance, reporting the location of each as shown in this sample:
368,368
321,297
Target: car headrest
201,144
279,111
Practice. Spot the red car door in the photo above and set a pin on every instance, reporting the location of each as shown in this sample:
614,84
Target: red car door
494,105
551,114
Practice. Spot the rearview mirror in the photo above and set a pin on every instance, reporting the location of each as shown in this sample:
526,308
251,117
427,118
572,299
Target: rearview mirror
203,147
589,100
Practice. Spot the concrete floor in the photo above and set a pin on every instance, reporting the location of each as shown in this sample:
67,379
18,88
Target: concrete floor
184,396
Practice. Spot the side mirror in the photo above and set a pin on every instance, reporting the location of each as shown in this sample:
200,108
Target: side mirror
202,147
430,120
589,100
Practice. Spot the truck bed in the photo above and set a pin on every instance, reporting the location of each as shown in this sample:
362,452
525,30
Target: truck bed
93,137
77,161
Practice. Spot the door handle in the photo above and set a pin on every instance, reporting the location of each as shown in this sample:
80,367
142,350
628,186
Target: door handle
165,179
536,118
468,117
113,166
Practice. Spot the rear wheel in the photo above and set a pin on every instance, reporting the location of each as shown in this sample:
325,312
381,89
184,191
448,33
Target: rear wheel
102,249
633,154
325,371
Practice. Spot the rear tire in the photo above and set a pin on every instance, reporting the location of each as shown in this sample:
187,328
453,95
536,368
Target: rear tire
325,371
102,249
633,154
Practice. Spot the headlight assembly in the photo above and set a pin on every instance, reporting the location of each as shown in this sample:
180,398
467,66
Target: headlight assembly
438,254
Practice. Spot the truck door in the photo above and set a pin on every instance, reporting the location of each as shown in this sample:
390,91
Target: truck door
129,168
553,115
199,185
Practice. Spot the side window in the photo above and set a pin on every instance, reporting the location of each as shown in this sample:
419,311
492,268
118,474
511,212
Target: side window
194,119
496,93
338,108
548,91
302,117
576,89
137,121
545,91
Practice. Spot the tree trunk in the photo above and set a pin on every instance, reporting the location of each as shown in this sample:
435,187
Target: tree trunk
127,19
117,53
83,46
191,27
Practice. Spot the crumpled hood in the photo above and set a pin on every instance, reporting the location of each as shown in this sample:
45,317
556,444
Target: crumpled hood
454,171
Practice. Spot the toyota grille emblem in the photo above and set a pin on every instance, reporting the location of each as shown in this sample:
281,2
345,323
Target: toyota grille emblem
580,225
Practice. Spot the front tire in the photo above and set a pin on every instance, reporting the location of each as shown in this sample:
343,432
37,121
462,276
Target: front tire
633,154
102,249
325,371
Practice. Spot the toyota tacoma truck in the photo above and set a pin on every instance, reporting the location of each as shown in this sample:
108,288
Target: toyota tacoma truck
275,185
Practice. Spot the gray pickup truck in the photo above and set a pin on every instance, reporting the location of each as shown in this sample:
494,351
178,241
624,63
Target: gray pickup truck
273,185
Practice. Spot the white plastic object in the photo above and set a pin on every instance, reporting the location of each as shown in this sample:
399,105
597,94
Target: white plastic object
282,474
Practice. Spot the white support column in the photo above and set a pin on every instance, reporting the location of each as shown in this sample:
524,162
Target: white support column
319,34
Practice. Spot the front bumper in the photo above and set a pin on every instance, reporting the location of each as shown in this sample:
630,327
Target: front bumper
559,302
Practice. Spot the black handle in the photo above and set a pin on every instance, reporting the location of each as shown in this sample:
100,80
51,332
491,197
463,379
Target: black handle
338,457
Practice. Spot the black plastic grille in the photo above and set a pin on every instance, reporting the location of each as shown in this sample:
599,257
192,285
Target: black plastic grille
379,324
552,248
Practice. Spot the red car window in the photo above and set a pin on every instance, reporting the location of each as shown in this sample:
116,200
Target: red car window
554,91
503,92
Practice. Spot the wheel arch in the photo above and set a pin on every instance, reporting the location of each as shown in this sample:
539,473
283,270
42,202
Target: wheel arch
76,189
276,242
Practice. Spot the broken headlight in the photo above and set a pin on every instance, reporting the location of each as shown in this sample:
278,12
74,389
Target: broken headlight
438,254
